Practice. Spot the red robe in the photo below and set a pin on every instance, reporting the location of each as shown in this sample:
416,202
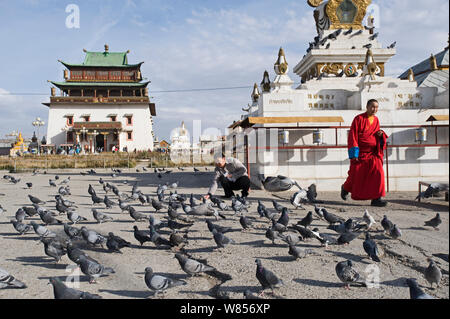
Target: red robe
366,175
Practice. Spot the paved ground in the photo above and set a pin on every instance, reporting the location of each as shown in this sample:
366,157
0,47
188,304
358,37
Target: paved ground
311,277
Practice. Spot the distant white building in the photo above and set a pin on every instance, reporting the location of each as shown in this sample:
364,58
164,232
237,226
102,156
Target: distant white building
103,103
302,132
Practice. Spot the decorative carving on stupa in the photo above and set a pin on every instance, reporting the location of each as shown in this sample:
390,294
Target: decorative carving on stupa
265,83
255,94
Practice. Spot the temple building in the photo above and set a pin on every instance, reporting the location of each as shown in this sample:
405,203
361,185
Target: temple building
302,132
103,104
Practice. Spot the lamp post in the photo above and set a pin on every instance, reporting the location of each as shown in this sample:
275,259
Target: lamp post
38,123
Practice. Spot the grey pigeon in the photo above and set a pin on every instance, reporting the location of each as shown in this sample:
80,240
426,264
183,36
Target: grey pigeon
297,199
136,215
21,228
260,209
346,238
371,248
92,237
386,224
157,205
221,240
284,218
30,211
74,253
279,208
415,291
433,190
267,278
307,220
48,218
192,267
435,222
108,203
35,200
96,199
177,240
248,295
272,235
433,274
101,217
392,45
245,222
61,291
291,239
51,183
115,243
141,236
74,217
331,218
395,232
160,283
72,232
299,253
53,248
157,239
41,230
8,281
93,269
278,227
220,229
277,184
348,275
342,227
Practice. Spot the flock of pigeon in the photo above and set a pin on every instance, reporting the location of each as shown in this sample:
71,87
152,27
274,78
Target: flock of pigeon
177,213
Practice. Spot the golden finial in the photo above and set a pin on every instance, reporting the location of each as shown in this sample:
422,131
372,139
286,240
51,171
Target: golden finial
106,48
265,84
84,50
433,63
128,51
255,93
281,66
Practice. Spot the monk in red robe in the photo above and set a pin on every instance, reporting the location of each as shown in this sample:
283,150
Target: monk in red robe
366,145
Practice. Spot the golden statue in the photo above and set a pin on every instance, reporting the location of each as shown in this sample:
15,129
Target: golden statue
18,145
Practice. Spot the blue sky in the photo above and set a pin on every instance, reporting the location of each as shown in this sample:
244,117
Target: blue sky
184,44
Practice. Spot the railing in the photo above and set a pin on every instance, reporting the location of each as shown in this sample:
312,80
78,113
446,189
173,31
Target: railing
92,99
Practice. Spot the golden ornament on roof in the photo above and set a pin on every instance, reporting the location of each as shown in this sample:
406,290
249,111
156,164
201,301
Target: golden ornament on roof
314,3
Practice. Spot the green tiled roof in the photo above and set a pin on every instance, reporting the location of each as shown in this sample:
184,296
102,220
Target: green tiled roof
99,84
104,59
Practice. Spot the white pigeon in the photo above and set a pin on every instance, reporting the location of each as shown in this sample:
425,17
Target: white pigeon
368,219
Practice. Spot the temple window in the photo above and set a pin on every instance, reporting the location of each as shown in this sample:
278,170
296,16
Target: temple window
116,75
70,120
102,75
129,119
113,118
129,135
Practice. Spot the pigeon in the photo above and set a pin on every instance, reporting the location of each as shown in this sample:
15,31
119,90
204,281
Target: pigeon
291,239
342,227
219,229
100,217
435,222
96,199
220,239
277,184
433,274
53,248
35,200
374,36
159,283
348,275
115,243
74,217
331,218
71,231
196,170
277,206
20,214
74,253
272,235
92,237
142,236
267,278
328,45
30,211
387,224
48,218
298,198
370,221
29,185
157,239
61,291
109,203
65,181
349,31
371,248
278,227
368,46
307,220
392,45
415,291
190,266
8,281
93,269
237,205
245,222
284,218
139,217
346,238
395,232
21,228
177,240
157,205
41,230
91,190
299,253
56,177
